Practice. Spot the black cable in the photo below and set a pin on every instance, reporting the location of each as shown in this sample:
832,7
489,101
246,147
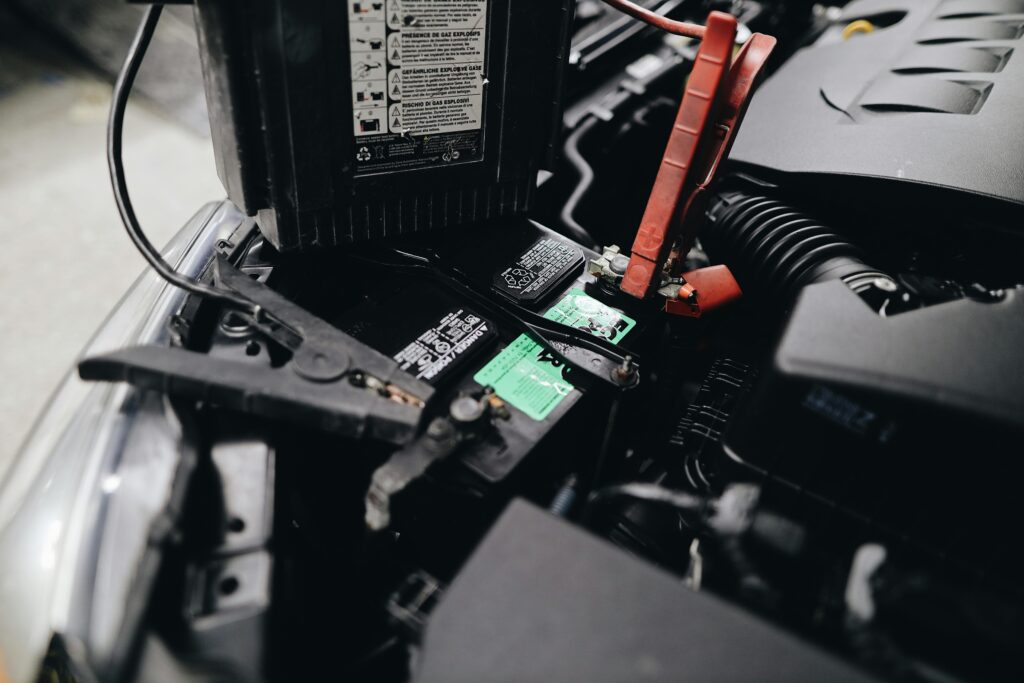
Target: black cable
537,325
541,329
606,446
586,179
115,127
652,493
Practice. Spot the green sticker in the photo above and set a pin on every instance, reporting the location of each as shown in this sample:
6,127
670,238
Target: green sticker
525,375
585,313
520,377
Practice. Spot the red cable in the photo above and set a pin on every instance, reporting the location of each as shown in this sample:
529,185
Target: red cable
680,28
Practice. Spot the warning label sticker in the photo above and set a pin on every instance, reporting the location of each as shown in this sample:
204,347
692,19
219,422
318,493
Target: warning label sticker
418,81
533,380
431,354
542,267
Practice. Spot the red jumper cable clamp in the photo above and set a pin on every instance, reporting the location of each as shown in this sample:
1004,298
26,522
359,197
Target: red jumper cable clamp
714,101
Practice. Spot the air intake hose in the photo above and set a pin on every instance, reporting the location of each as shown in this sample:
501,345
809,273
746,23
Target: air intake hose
775,250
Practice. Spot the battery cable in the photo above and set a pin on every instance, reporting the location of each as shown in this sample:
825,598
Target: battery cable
679,28
115,162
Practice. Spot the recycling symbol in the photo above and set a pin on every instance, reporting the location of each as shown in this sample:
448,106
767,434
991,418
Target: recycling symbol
517,278
363,154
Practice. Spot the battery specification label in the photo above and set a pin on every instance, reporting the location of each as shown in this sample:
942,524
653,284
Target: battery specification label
417,81
529,377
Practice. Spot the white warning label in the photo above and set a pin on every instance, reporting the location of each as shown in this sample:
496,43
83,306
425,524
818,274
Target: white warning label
418,69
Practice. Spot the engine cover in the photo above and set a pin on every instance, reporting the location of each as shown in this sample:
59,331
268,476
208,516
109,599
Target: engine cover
932,98
911,422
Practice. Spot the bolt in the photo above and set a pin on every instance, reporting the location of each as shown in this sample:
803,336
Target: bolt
625,374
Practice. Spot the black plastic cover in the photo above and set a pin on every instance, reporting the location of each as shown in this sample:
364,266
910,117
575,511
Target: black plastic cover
542,601
964,355
933,97
290,149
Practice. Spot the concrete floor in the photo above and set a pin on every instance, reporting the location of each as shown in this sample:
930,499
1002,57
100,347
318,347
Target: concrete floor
66,260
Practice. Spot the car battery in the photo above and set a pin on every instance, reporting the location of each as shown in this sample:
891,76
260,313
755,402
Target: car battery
337,122
464,340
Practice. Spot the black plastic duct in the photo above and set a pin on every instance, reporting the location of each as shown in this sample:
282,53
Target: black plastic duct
775,250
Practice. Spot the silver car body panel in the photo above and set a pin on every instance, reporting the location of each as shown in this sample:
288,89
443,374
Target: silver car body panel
79,503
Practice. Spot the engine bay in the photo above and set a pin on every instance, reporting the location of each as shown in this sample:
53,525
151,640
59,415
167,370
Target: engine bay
814,481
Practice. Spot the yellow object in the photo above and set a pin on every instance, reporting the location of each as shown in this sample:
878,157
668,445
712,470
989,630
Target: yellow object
855,27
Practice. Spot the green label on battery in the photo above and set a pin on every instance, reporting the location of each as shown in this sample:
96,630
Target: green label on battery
528,377
585,313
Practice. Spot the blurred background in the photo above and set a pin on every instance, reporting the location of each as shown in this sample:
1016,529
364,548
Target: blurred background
66,259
